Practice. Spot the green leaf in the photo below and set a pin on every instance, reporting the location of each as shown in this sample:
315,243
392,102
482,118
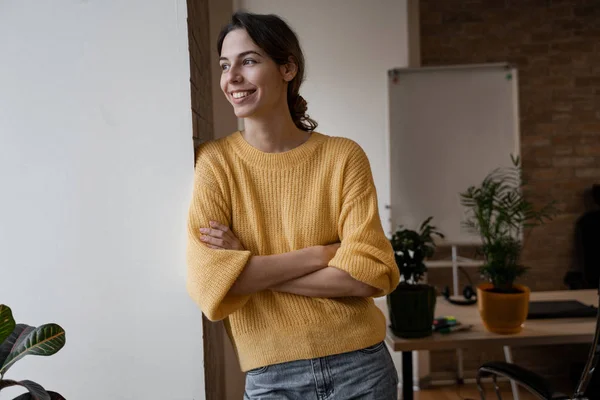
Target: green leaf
411,248
7,322
36,391
43,341
28,396
19,334
498,210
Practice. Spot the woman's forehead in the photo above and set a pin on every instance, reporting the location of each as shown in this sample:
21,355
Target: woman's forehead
237,42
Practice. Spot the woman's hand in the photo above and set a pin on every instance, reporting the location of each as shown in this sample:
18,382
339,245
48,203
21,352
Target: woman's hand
327,252
219,236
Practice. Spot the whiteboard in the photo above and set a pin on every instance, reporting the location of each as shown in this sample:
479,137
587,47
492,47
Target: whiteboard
448,128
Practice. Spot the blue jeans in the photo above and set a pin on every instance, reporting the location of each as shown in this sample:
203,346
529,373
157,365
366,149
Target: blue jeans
366,374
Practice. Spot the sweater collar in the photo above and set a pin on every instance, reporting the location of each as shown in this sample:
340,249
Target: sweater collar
286,159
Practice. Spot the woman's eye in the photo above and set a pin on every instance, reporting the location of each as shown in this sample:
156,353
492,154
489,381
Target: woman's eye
224,66
249,61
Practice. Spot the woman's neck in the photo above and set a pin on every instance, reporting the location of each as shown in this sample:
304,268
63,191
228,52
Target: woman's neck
275,134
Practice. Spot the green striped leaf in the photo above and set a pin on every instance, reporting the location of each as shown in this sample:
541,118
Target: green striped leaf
7,322
28,396
36,391
19,334
42,341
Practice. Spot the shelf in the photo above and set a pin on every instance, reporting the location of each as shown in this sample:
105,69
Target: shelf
450,263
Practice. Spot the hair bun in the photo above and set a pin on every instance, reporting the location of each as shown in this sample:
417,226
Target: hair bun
299,115
300,106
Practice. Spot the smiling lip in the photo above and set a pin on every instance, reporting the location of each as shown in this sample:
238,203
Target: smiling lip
241,99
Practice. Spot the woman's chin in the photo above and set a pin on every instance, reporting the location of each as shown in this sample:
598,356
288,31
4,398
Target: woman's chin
243,113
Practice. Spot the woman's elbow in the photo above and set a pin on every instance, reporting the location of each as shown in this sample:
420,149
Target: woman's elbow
239,289
364,290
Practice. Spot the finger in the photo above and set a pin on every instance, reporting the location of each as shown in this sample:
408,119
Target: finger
227,235
212,240
212,246
222,232
219,226
212,232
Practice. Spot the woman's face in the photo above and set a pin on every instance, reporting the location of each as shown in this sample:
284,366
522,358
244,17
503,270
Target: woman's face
252,82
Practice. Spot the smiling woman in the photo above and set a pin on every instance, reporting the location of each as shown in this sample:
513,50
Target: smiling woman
285,240
279,53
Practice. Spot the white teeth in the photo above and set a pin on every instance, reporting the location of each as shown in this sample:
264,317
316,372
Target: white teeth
239,95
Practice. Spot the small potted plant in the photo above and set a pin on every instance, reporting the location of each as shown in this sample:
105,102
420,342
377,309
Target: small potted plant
19,340
499,213
411,305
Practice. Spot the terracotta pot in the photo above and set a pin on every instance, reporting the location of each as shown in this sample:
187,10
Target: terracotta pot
503,313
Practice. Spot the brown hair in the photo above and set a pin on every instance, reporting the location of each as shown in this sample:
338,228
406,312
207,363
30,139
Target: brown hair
277,39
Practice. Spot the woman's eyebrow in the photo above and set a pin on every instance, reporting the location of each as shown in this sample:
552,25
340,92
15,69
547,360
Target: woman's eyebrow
243,54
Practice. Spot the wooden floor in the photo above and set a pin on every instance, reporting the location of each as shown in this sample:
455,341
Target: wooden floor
470,392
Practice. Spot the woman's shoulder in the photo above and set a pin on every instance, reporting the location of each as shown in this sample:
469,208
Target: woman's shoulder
343,146
213,150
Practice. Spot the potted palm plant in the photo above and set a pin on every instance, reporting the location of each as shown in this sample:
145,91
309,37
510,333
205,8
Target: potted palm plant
411,305
500,214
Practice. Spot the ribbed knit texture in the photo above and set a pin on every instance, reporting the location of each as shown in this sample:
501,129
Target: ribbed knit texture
318,193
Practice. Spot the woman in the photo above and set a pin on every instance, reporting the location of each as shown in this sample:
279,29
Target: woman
285,240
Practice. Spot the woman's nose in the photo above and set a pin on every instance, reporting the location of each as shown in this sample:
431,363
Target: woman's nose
234,76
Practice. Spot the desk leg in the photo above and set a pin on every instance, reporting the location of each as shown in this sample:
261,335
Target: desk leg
407,375
513,384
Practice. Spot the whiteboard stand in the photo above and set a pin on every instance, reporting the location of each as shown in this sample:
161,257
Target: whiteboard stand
454,263
454,270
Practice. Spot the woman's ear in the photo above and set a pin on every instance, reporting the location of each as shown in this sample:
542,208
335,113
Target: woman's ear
289,70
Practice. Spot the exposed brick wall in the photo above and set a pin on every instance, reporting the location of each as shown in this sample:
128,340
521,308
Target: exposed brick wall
555,45
199,46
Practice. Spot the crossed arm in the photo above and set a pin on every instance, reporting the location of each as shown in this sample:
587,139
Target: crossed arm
309,274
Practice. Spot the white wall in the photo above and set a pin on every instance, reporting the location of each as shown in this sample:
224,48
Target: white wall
349,45
95,178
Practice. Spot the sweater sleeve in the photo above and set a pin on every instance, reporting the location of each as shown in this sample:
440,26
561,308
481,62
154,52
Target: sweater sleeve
211,272
365,252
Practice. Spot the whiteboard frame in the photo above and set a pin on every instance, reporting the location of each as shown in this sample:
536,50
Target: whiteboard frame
506,67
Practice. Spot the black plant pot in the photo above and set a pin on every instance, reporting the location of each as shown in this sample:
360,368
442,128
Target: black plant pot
411,310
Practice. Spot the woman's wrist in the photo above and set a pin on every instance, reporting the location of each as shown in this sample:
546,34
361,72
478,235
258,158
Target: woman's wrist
313,257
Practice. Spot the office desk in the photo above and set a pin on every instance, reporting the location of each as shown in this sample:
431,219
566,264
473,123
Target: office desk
535,332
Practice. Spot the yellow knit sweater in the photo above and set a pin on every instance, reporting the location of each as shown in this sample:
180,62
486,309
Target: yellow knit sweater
318,193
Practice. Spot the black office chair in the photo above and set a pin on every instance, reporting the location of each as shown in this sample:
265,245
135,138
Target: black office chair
536,384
